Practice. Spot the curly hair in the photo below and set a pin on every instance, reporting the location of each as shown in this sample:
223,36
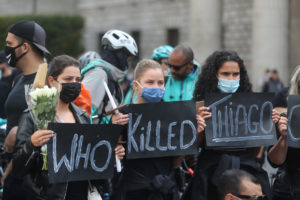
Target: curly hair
208,80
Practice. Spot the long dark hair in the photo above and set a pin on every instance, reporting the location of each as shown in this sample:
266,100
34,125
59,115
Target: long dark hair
208,81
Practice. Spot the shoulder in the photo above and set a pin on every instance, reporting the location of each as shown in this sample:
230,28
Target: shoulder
80,113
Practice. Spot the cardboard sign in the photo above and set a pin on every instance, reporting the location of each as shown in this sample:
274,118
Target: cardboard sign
162,129
240,120
81,151
293,121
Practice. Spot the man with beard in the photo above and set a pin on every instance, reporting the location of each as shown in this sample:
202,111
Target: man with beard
185,71
25,49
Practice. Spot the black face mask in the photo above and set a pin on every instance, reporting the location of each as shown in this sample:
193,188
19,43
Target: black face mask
10,55
69,91
118,58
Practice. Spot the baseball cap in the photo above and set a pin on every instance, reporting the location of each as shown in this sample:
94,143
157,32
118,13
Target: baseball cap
32,32
2,57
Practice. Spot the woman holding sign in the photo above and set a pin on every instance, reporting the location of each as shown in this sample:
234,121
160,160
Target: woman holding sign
147,178
223,72
64,75
287,183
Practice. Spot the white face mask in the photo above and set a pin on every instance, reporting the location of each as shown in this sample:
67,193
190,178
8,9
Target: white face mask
228,86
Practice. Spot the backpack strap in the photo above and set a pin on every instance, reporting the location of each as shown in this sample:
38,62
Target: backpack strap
113,87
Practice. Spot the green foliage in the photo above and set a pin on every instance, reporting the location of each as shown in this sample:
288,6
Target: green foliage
63,33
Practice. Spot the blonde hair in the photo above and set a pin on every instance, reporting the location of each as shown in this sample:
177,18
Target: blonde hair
294,89
145,65
141,69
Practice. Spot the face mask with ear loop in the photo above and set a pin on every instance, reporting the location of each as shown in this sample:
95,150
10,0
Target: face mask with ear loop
151,95
10,55
228,86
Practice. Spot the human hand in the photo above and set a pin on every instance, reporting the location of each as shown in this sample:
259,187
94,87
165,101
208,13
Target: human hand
204,112
200,123
282,126
275,116
120,151
41,137
120,119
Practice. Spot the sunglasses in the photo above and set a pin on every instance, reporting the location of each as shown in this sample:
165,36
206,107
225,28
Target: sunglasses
178,67
254,197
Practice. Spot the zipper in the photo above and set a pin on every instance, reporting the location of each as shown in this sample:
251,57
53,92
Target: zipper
181,91
66,191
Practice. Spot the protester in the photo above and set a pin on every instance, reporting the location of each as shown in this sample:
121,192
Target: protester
238,184
64,75
117,48
264,79
7,77
223,72
160,54
287,182
25,49
139,175
274,84
180,85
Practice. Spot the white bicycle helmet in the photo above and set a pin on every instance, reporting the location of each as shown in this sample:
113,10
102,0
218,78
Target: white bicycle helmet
116,39
87,57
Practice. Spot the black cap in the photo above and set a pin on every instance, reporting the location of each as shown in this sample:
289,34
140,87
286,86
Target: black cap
2,57
32,32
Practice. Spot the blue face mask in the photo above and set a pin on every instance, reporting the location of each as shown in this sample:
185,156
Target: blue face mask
228,86
151,95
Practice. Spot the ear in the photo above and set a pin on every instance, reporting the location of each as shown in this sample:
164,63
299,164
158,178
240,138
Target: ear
191,65
26,46
135,85
229,196
51,81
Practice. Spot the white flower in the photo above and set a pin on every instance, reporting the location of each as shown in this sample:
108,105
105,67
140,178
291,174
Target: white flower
44,149
45,91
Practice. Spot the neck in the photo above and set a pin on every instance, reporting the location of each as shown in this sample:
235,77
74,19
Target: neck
30,64
62,106
140,100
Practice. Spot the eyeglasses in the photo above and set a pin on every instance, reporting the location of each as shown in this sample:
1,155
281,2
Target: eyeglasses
177,67
254,197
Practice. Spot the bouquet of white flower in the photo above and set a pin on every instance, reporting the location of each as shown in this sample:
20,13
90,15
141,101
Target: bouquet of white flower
44,101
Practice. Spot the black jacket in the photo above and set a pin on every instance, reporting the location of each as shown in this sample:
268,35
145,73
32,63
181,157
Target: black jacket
28,161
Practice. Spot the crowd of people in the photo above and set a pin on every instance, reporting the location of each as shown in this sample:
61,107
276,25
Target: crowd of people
173,74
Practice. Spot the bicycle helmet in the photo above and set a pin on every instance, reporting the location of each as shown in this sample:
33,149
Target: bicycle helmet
162,52
88,57
116,39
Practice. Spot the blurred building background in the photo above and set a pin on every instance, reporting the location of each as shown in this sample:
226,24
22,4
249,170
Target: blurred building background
265,33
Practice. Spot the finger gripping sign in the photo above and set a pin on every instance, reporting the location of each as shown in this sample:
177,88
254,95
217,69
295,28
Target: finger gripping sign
240,120
81,151
293,132
161,129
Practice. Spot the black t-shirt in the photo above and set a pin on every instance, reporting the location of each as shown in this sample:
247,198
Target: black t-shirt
16,101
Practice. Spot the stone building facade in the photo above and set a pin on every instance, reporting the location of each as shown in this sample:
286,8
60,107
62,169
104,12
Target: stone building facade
265,33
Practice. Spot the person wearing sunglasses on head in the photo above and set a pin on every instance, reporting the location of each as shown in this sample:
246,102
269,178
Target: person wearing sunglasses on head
237,184
184,71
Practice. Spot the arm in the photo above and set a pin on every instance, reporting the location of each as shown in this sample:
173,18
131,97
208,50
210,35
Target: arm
7,171
202,114
277,154
28,143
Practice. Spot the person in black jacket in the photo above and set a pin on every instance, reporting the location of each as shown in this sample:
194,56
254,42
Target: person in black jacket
223,72
64,74
287,183
141,177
